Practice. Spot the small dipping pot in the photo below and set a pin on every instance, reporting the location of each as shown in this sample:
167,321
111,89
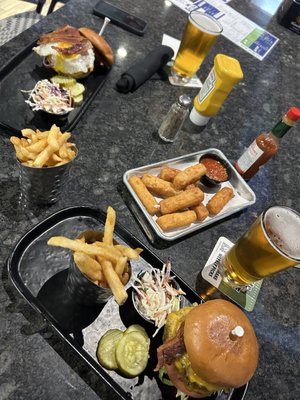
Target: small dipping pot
218,170
135,297
84,290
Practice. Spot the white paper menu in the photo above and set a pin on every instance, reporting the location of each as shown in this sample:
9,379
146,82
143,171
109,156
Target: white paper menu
237,28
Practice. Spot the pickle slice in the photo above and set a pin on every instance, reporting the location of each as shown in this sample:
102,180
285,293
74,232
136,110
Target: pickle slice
132,353
77,89
136,328
78,100
62,80
106,348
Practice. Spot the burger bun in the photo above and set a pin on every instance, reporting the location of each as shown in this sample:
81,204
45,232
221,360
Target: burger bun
216,355
103,51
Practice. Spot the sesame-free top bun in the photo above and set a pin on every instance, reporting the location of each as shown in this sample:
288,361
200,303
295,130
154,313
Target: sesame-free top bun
103,49
215,354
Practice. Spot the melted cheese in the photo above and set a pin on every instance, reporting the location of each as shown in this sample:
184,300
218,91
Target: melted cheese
184,366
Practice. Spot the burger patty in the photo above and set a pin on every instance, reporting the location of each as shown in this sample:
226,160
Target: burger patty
171,349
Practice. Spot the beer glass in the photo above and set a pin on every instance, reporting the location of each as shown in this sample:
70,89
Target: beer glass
200,34
270,245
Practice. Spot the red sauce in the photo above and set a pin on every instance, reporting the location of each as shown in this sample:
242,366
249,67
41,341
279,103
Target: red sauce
215,170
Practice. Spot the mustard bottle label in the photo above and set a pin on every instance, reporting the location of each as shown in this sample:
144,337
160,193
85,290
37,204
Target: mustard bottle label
208,86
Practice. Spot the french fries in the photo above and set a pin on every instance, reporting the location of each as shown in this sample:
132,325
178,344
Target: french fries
109,226
105,263
44,149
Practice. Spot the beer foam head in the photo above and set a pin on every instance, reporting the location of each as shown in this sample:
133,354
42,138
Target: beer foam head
205,23
283,228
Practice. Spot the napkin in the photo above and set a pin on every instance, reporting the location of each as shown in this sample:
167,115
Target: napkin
142,70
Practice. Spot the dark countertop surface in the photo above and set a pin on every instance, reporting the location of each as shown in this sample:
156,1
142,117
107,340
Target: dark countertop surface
119,132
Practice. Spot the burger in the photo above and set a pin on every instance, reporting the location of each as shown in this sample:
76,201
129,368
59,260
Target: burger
207,348
74,52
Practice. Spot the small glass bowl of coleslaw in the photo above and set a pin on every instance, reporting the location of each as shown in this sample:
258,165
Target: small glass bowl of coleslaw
156,294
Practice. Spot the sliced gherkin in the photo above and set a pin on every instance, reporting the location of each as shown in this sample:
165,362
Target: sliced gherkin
106,348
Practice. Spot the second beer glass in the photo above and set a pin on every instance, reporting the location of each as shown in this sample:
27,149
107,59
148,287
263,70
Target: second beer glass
200,34
270,245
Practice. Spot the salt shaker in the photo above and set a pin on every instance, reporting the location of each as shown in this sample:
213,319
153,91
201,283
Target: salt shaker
174,119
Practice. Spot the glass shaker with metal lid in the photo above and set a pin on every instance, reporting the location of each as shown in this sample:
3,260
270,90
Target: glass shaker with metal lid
174,119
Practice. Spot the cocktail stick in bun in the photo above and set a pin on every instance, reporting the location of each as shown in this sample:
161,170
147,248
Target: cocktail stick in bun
208,348
103,50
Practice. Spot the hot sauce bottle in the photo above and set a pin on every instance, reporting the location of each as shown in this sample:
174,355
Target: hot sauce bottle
265,145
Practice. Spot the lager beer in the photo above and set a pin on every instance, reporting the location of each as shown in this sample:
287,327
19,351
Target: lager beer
272,244
199,35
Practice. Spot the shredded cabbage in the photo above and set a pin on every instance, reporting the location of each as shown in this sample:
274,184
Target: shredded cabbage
49,97
156,295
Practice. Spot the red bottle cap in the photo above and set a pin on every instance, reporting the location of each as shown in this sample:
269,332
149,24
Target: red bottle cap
293,114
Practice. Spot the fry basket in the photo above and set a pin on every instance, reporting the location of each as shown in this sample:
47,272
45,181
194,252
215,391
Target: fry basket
43,186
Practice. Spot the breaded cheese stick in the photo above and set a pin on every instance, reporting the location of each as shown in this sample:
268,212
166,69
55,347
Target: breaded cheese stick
168,173
186,199
176,220
189,175
219,200
158,186
201,212
144,195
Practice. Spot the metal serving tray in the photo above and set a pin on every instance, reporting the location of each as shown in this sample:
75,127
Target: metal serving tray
244,195
22,72
39,272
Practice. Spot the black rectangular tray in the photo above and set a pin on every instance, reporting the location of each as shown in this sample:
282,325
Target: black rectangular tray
22,73
39,272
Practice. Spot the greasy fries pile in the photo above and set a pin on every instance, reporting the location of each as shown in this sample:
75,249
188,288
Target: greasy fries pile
174,196
103,262
44,149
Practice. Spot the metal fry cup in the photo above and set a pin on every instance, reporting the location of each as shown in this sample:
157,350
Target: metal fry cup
42,186
84,290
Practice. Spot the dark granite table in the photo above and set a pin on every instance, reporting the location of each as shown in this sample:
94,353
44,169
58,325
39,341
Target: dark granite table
119,132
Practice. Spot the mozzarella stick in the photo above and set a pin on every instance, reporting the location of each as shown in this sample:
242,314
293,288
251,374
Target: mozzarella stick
158,186
219,200
189,175
186,199
144,195
192,185
176,220
168,173
201,212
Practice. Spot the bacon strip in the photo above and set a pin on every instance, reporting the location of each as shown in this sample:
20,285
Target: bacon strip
78,44
171,349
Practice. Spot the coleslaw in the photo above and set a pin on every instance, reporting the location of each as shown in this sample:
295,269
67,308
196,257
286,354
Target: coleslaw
49,97
157,295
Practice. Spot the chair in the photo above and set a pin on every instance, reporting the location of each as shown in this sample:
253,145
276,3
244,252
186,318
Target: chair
53,3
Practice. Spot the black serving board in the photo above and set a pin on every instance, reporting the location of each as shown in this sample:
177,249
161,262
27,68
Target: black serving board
39,272
22,73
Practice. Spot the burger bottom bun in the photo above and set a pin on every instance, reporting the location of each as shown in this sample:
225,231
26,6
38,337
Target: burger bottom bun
102,48
178,382
215,355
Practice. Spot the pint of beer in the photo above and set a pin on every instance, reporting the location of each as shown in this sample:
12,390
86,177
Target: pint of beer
200,34
271,244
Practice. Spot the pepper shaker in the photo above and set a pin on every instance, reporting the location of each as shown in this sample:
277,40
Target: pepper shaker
174,119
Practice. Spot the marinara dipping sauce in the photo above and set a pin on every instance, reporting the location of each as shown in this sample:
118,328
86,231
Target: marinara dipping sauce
215,170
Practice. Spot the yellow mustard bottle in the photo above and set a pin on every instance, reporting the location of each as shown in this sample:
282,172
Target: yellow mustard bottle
225,73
